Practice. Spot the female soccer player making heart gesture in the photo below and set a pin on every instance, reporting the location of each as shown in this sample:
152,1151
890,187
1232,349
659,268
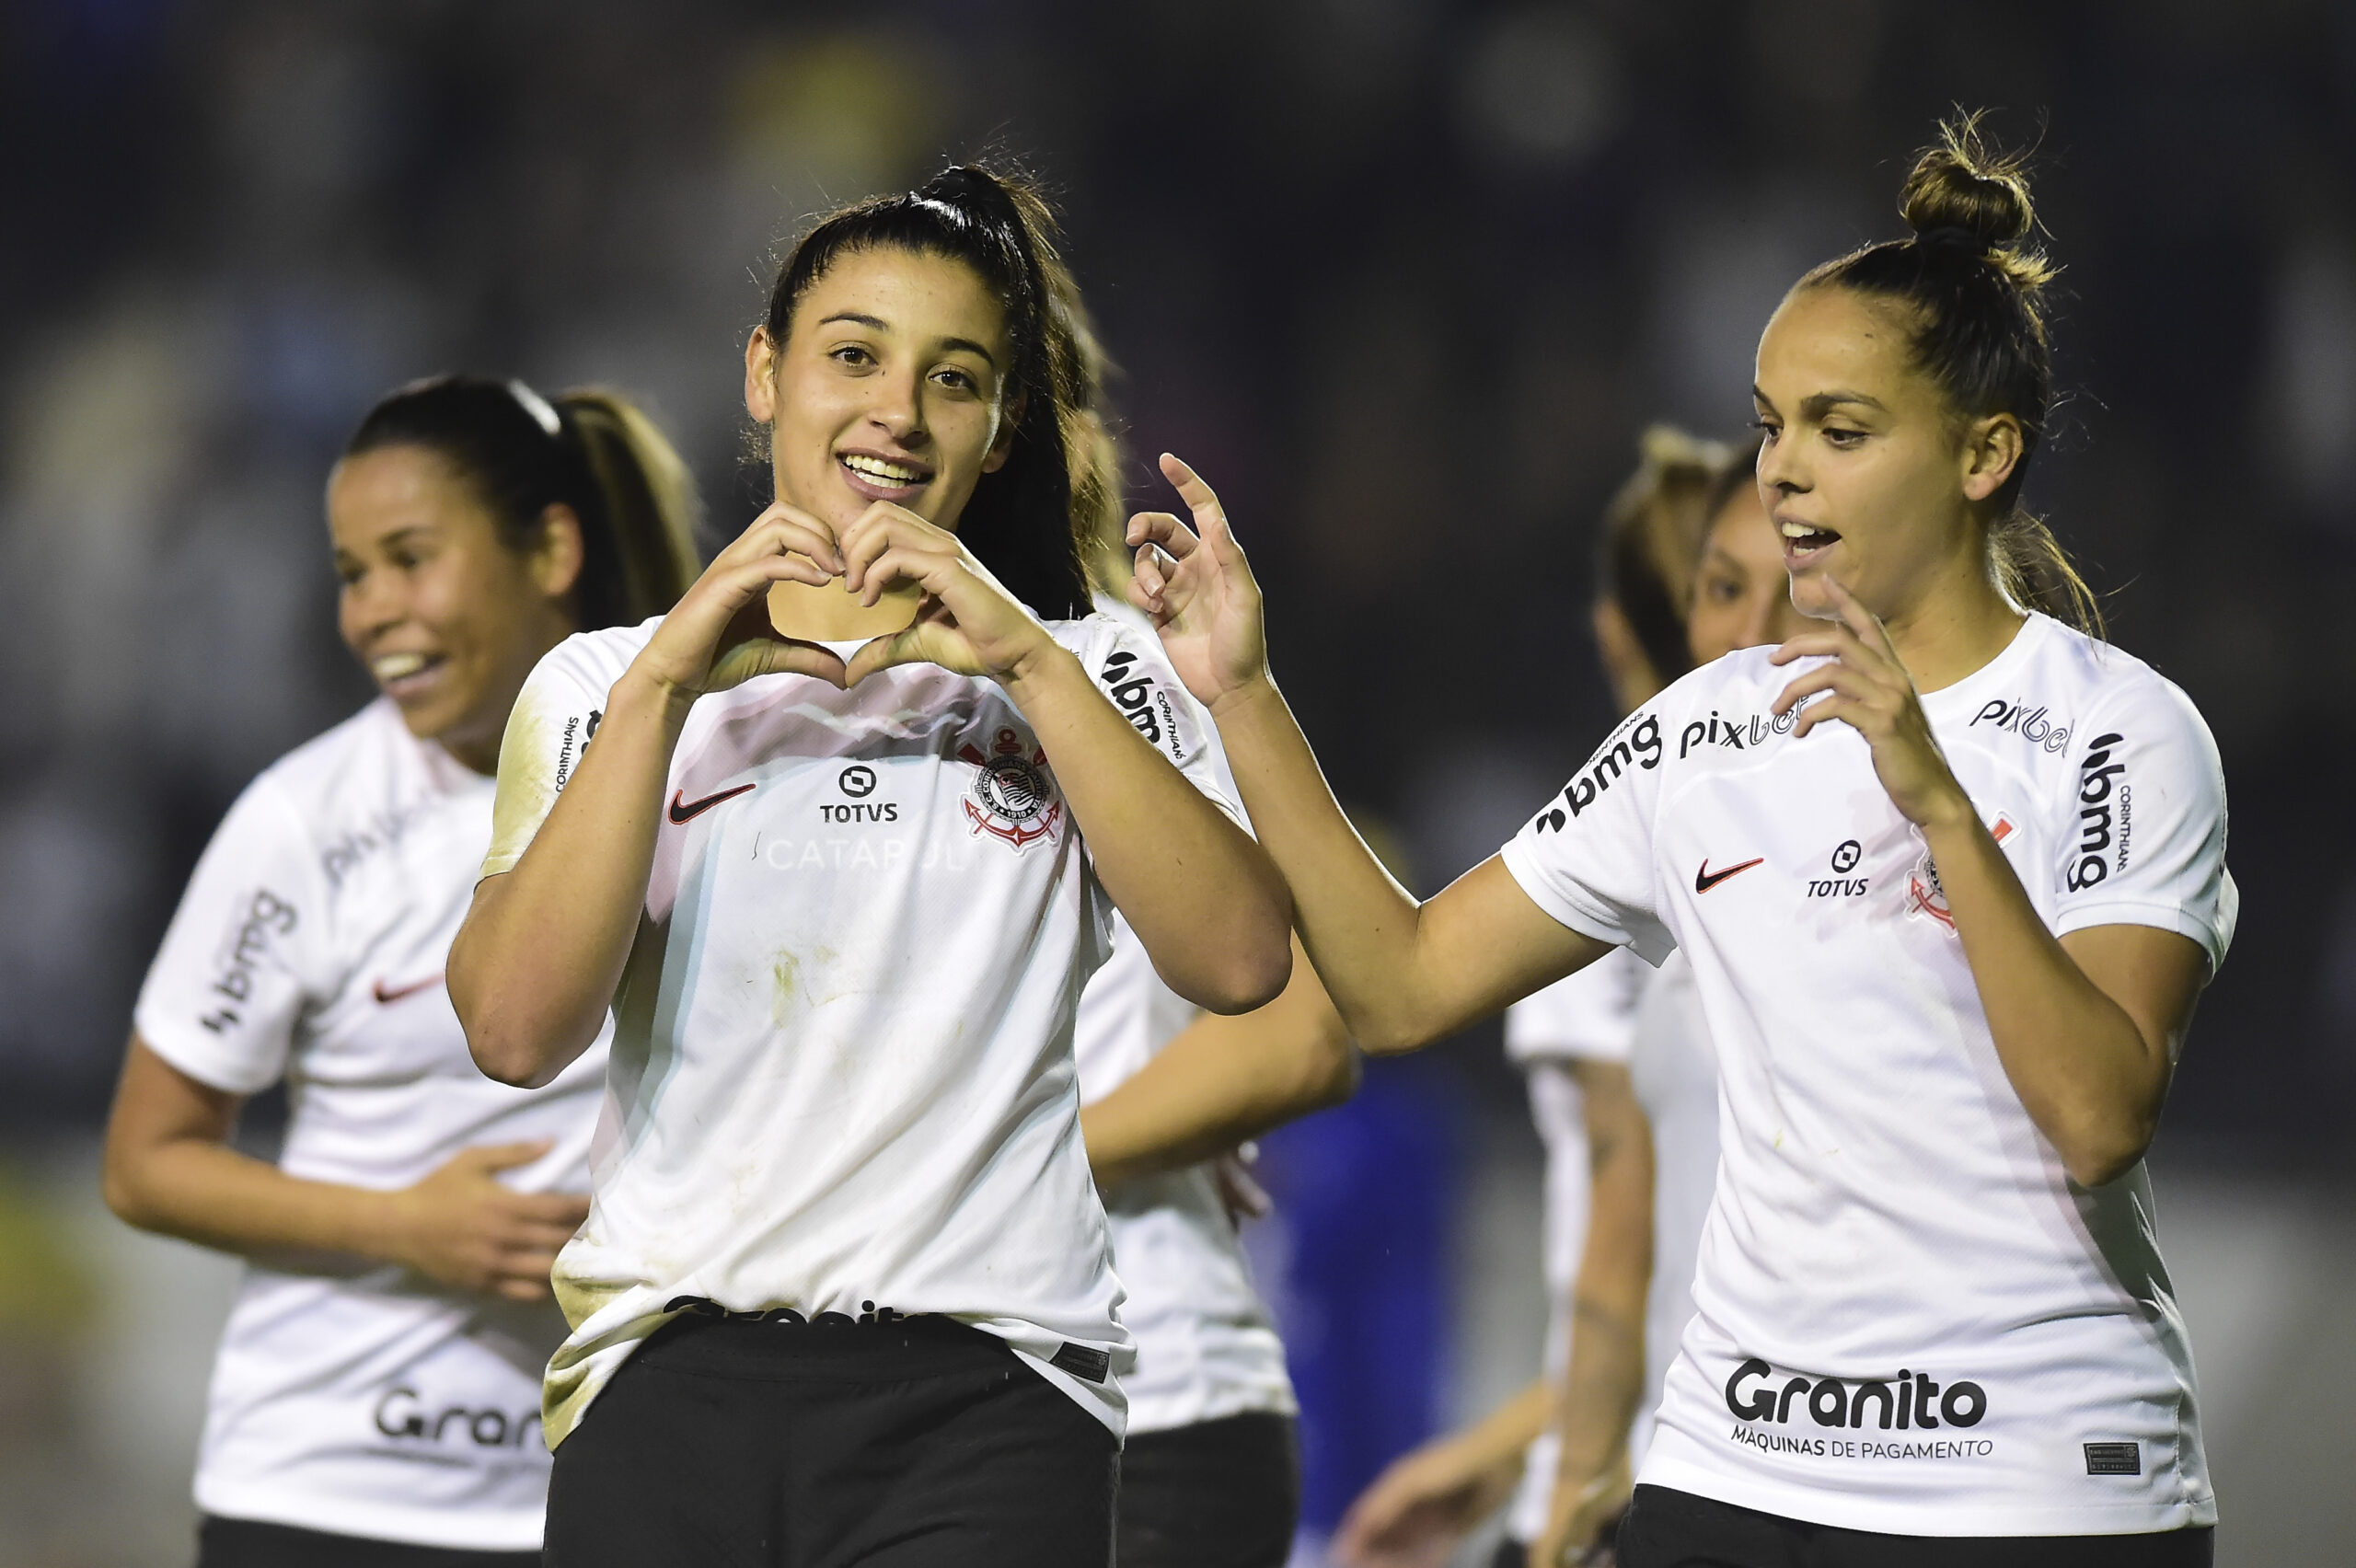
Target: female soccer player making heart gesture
1949,872
844,1293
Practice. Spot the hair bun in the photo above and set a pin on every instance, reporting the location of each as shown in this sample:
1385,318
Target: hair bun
1963,194
971,190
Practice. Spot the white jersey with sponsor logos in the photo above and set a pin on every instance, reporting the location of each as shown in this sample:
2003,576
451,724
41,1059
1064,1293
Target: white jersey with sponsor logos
842,1077
1207,1347
1674,1070
1907,1319
358,1398
1591,1016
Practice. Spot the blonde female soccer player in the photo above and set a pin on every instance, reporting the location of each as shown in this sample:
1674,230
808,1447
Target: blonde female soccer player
1949,870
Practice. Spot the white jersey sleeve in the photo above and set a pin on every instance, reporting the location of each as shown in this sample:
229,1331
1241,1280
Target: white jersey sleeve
2147,846
1587,858
554,719
1129,668
246,952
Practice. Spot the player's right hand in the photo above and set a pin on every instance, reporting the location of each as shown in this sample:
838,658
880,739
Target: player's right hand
1199,590
463,1227
719,634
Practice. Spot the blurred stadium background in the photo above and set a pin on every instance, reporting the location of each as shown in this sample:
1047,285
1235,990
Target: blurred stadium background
1403,277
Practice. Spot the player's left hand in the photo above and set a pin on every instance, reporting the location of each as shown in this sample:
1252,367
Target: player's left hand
1868,690
966,620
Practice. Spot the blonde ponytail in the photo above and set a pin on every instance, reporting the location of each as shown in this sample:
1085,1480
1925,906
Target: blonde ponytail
649,506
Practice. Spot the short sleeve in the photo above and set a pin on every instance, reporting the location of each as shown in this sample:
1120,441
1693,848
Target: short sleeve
554,719
2142,840
1130,670
1587,857
1588,1017
240,963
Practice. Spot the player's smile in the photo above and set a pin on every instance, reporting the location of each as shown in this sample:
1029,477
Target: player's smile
408,678
875,476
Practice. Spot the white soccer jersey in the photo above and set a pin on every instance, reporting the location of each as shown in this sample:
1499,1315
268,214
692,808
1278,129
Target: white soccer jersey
363,1400
1907,1318
1589,1016
1207,1347
842,1076
1675,1073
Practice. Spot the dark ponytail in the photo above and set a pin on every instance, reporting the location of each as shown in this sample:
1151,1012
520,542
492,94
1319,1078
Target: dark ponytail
1030,521
1977,292
591,450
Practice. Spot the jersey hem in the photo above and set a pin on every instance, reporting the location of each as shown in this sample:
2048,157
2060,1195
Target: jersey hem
1258,1402
449,1529
1975,1517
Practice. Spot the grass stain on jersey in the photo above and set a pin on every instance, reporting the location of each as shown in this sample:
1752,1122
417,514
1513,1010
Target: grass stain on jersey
785,987
526,795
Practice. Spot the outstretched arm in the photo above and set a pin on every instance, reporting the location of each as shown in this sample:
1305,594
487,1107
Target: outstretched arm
1403,975
1222,1082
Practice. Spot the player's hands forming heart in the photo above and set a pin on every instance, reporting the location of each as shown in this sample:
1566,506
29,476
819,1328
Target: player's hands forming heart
719,635
966,621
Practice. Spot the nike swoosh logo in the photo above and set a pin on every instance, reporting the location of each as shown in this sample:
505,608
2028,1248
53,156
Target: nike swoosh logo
1706,879
681,811
387,995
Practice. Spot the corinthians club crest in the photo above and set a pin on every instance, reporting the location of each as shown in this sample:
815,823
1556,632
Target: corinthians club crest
1013,797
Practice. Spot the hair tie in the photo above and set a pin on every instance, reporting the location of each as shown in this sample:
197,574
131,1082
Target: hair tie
543,413
1954,237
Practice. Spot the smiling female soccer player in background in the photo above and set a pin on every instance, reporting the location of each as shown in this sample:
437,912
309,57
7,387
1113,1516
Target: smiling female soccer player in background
843,1295
376,1397
1947,957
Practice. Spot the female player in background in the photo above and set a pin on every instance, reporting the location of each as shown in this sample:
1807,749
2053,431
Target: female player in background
376,1393
843,1295
1950,875
1691,571
1634,1288
1210,1473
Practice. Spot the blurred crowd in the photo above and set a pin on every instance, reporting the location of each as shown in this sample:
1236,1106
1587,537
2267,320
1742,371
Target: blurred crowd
1404,278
